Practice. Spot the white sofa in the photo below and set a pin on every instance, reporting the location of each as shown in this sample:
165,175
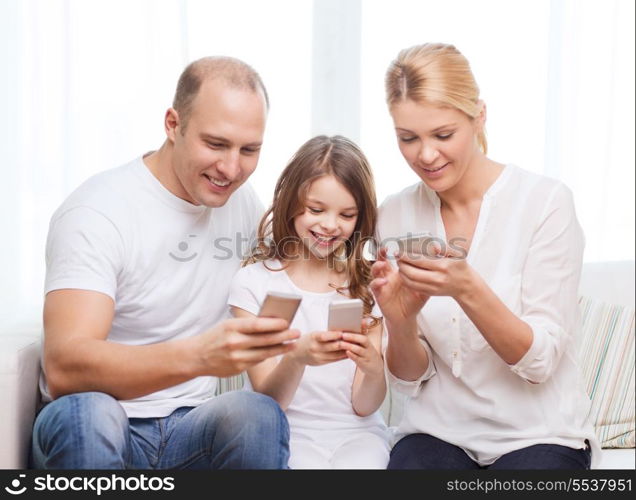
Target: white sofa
20,367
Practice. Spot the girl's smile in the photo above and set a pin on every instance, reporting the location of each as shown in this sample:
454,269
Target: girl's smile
329,217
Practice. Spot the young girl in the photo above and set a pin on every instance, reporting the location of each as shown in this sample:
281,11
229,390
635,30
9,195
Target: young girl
332,384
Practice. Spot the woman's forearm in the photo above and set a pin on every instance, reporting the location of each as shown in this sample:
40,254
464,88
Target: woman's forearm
508,335
406,357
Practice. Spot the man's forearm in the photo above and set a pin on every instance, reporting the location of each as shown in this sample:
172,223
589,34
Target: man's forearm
123,371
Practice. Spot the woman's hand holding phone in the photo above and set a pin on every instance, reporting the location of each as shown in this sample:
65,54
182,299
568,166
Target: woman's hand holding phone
447,275
397,301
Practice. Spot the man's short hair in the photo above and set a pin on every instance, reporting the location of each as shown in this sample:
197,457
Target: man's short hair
234,72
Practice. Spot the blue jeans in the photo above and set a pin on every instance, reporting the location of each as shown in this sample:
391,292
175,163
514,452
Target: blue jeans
421,451
236,430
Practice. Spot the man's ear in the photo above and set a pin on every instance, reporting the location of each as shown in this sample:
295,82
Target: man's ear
171,123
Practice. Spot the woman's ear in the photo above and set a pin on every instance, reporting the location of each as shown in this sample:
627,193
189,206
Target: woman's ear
480,119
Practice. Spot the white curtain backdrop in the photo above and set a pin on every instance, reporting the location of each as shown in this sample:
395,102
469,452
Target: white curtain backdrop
85,84
84,88
557,77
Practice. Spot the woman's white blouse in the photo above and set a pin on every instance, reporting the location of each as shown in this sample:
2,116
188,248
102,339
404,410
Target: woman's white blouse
528,247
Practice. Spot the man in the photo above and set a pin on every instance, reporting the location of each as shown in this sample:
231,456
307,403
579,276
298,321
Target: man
139,261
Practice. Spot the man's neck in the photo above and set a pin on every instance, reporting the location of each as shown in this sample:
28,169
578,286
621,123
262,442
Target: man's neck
158,162
160,165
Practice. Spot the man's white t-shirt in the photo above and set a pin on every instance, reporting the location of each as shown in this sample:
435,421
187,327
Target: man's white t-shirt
166,263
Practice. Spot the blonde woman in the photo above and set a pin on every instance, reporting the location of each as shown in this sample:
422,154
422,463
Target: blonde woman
481,320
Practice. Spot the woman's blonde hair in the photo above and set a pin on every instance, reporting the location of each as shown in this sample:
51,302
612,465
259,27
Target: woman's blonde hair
318,157
438,74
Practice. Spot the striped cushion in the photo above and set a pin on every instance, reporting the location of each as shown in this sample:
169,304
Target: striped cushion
607,362
227,384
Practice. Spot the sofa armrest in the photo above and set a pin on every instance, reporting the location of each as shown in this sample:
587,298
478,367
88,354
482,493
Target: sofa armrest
617,458
20,396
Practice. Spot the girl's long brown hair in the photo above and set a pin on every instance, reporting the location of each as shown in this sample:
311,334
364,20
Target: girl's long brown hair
320,156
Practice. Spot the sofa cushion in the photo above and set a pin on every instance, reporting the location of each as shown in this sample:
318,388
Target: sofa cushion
19,396
232,383
607,361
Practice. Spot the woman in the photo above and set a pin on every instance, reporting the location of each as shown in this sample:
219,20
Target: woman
481,330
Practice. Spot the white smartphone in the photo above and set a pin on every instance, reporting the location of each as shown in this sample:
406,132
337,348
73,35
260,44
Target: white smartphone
346,315
280,305
420,244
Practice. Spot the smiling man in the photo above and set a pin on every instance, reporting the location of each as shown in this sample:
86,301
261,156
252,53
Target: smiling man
135,315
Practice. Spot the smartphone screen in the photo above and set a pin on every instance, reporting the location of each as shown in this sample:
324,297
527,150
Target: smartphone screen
346,315
418,244
280,305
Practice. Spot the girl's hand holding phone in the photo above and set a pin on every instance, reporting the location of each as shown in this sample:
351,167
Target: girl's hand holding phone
362,352
318,348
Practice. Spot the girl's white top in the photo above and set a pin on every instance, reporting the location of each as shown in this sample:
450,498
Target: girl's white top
323,398
528,247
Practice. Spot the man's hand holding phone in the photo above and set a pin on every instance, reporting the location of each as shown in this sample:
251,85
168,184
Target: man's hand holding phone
236,344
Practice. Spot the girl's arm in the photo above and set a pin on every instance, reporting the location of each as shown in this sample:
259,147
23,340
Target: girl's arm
369,383
280,380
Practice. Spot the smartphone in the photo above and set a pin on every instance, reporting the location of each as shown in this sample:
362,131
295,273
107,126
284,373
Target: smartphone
370,251
418,244
280,305
346,315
